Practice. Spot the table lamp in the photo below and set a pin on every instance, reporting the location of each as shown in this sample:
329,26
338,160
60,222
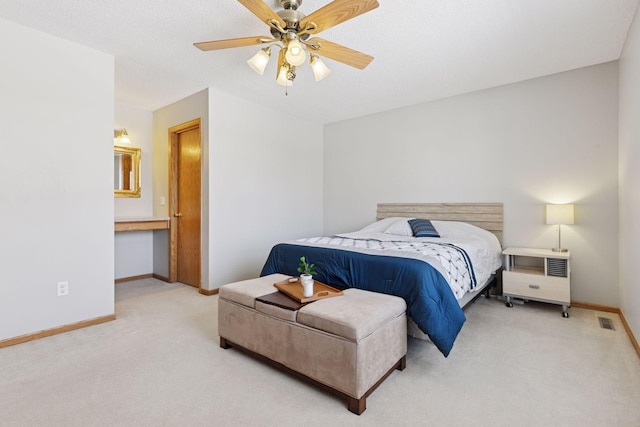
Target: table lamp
558,215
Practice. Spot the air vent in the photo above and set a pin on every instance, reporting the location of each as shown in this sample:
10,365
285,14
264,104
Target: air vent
557,267
606,323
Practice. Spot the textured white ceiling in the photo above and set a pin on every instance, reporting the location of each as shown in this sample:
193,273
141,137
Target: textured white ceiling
423,49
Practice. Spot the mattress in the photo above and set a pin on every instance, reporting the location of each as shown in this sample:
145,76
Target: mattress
393,237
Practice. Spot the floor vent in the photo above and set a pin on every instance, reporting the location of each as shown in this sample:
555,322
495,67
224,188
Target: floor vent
606,323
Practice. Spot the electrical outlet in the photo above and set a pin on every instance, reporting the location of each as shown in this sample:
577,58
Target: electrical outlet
63,288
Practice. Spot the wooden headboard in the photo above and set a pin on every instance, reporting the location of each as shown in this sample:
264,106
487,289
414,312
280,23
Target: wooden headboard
488,216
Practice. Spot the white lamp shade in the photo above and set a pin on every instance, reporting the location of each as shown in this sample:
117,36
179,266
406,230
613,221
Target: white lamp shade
560,214
295,54
320,70
259,61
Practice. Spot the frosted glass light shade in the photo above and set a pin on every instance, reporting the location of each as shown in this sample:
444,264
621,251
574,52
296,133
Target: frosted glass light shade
259,61
295,54
282,79
560,214
320,70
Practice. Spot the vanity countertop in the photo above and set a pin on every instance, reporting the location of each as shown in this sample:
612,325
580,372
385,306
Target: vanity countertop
140,218
140,223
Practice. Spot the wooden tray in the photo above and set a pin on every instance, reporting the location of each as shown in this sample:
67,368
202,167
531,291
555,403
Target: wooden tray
294,290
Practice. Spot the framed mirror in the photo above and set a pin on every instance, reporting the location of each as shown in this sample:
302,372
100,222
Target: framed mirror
126,171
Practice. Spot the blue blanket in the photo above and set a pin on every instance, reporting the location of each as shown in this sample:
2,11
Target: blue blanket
430,302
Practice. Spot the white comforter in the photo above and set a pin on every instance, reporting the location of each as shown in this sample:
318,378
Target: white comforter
481,246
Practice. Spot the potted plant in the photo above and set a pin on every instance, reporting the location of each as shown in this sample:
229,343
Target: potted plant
306,270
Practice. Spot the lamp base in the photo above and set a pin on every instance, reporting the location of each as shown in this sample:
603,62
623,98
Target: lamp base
560,250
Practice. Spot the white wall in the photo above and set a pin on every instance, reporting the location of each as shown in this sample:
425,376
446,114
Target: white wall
630,178
134,249
262,180
56,123
265,184
552,139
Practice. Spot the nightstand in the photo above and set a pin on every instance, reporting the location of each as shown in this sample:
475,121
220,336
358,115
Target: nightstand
538,275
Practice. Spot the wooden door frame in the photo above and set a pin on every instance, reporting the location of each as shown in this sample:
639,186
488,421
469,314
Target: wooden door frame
173,196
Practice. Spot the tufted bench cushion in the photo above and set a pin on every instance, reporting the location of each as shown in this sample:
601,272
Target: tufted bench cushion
247,291
355,315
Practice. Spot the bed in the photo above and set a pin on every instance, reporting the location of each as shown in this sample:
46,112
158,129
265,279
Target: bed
453,258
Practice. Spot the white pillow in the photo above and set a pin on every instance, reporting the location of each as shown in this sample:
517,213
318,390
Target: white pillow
379,226
400,227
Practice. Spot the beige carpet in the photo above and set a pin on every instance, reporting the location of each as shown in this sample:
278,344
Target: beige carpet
159,364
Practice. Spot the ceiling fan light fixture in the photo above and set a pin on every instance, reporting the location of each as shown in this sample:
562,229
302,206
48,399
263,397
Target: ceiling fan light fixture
319,68
291,31
295,54
259,61
285,72
285,76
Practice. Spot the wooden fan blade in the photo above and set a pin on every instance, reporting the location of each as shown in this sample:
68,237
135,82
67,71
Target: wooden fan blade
229,43
339,53
262,11
336,13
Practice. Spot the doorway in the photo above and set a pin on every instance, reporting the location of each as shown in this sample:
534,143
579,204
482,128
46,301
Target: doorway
185,201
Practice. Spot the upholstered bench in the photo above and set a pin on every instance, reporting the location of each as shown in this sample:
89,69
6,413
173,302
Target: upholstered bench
348,344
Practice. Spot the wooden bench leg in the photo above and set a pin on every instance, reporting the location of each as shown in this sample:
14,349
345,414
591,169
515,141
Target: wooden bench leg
224,343
402,363
357,406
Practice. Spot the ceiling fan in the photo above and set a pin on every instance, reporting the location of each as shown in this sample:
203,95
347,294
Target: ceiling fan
293,29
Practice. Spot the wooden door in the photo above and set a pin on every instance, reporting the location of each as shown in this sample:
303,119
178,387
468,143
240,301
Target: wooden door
185,206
